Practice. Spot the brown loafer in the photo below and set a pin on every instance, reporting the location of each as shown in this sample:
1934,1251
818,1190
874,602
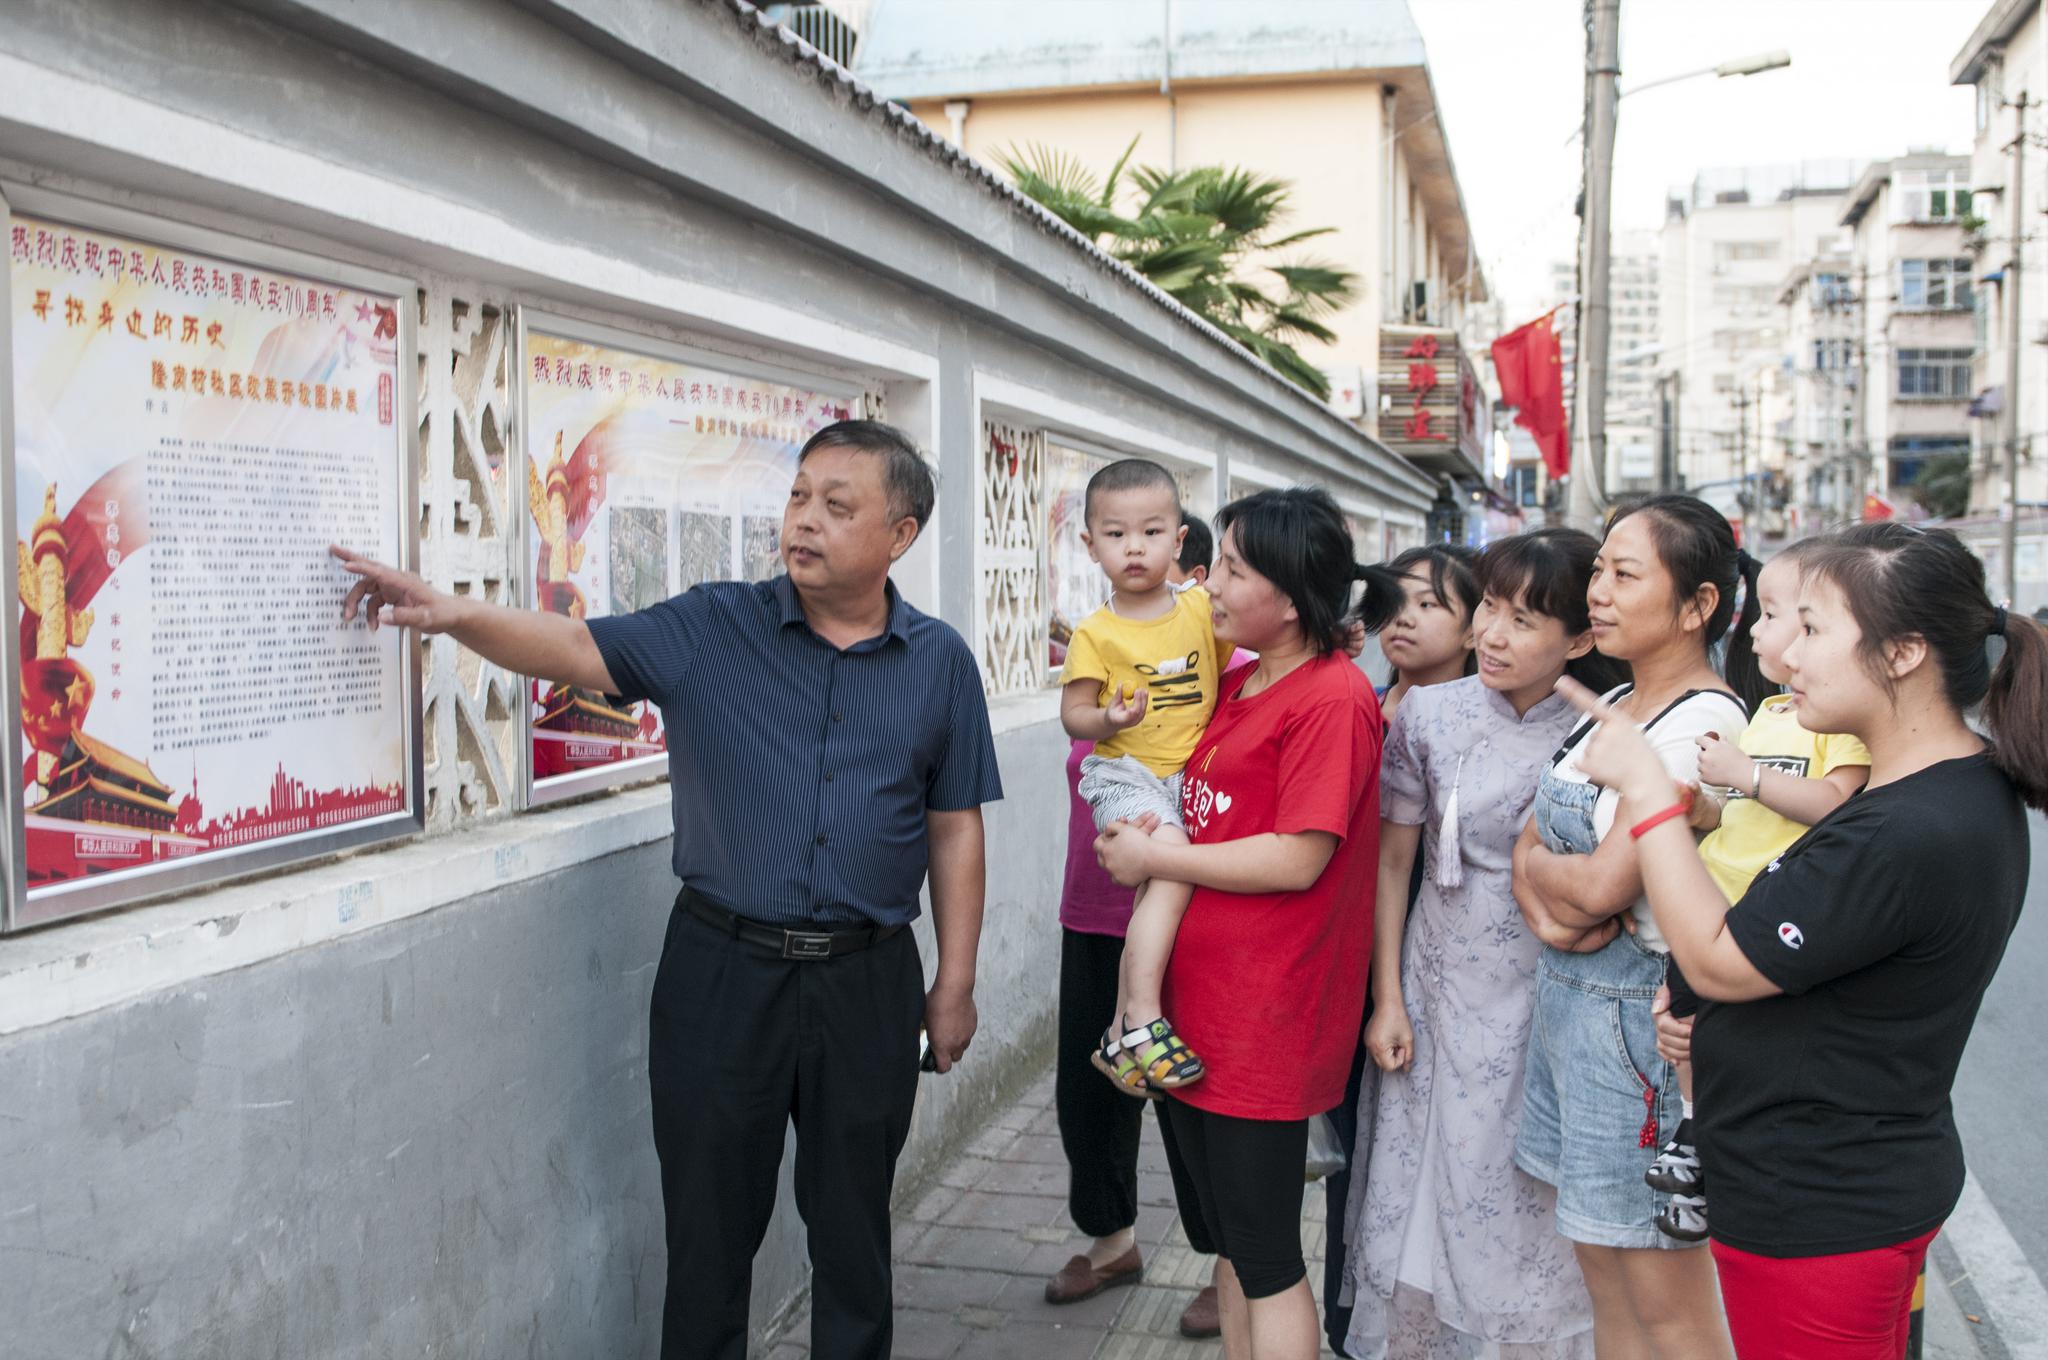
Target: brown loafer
1079,1280
1202,1320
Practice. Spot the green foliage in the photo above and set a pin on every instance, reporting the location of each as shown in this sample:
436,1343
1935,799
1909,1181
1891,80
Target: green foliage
1943,485
1205,237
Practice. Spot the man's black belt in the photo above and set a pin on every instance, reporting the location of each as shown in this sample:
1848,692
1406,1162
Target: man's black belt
788,944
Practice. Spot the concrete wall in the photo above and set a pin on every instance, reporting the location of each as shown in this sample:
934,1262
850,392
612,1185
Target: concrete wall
428,1138
395,1103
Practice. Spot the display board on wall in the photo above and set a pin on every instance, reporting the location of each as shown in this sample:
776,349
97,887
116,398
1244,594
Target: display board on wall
194,420
648,470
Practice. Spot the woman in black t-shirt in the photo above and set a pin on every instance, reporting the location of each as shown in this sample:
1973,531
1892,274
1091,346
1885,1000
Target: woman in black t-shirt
1841,989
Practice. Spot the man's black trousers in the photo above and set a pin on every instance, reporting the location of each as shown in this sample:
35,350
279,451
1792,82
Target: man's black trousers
741,1043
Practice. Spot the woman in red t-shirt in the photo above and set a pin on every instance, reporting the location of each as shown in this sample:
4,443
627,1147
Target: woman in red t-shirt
1268,976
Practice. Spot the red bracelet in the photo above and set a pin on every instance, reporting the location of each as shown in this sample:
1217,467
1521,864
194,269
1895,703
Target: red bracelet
1656,819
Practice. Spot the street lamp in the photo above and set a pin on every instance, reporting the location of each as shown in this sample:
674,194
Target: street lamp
1603,100
1745,66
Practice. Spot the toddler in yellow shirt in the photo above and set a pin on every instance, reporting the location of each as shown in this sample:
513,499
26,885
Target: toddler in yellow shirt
1140,681
1781,779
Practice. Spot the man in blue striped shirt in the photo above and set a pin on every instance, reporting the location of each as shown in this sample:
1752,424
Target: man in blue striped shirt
827,743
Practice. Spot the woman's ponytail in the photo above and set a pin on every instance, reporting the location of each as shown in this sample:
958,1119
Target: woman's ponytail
1297,538
1382,599
1743,672
2016,708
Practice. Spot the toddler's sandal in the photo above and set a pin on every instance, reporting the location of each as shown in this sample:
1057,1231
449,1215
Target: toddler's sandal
1114,1061
1163,1056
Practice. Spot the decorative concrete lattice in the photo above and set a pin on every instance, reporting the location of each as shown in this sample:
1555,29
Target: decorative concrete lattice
1010,604
473,710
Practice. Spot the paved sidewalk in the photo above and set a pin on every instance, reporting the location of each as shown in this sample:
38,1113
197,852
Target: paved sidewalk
973,1253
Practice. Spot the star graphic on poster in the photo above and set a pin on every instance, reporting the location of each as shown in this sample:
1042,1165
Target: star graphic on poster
363,311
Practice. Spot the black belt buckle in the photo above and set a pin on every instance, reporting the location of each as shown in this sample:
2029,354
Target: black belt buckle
798,944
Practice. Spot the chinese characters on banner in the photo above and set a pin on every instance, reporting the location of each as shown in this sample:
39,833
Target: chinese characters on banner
1074,585
644,477
190,435
1419,390
1422,381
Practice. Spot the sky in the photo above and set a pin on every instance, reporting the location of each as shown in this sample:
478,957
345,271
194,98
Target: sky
1868,80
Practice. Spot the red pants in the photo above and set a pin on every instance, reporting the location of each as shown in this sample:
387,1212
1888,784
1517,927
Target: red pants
1855,1306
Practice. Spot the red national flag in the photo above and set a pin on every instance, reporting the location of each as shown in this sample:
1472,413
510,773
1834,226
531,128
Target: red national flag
1531,372
117,501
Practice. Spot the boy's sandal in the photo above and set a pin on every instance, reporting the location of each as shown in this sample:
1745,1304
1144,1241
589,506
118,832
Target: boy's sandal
1115,1062
1163,1055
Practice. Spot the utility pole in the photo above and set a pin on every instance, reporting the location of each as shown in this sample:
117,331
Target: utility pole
2009,510
1860,398
1741,403
1866,392
1601,101
1667,431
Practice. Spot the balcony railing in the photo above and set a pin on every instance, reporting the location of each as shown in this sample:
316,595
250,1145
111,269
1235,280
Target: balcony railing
821,28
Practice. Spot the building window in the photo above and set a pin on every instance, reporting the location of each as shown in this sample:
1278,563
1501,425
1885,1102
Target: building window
1830,355
1990,94
1727,251
1934,374
1520,484
1935,285
1932,196
1830,290
1909,457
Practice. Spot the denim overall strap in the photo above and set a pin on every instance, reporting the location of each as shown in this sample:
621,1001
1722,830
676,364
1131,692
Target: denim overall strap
1564,814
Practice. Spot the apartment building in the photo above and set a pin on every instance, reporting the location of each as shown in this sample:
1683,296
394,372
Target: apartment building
1918,337
1728,241
2006,60
1338,102
1820,450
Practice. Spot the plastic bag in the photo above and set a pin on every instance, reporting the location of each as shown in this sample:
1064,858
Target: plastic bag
1325,1153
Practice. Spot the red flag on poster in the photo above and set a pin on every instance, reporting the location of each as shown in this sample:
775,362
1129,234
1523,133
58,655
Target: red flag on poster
586,471
1531,372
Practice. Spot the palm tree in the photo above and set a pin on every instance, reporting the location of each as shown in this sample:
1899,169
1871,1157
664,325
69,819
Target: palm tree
1202,236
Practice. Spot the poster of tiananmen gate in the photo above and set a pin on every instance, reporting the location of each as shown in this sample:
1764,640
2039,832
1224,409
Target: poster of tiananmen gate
190,432
644,475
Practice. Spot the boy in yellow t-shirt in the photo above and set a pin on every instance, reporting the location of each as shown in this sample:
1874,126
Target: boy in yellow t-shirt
1140,682
1781,780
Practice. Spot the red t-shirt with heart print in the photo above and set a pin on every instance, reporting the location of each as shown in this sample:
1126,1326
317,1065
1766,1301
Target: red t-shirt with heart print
1269,988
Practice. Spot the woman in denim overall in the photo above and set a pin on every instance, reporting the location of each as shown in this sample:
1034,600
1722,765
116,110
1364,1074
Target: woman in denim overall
1598,1101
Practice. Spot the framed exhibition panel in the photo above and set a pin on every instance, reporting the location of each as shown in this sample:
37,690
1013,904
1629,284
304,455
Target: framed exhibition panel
191,419
648,468
1074,585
